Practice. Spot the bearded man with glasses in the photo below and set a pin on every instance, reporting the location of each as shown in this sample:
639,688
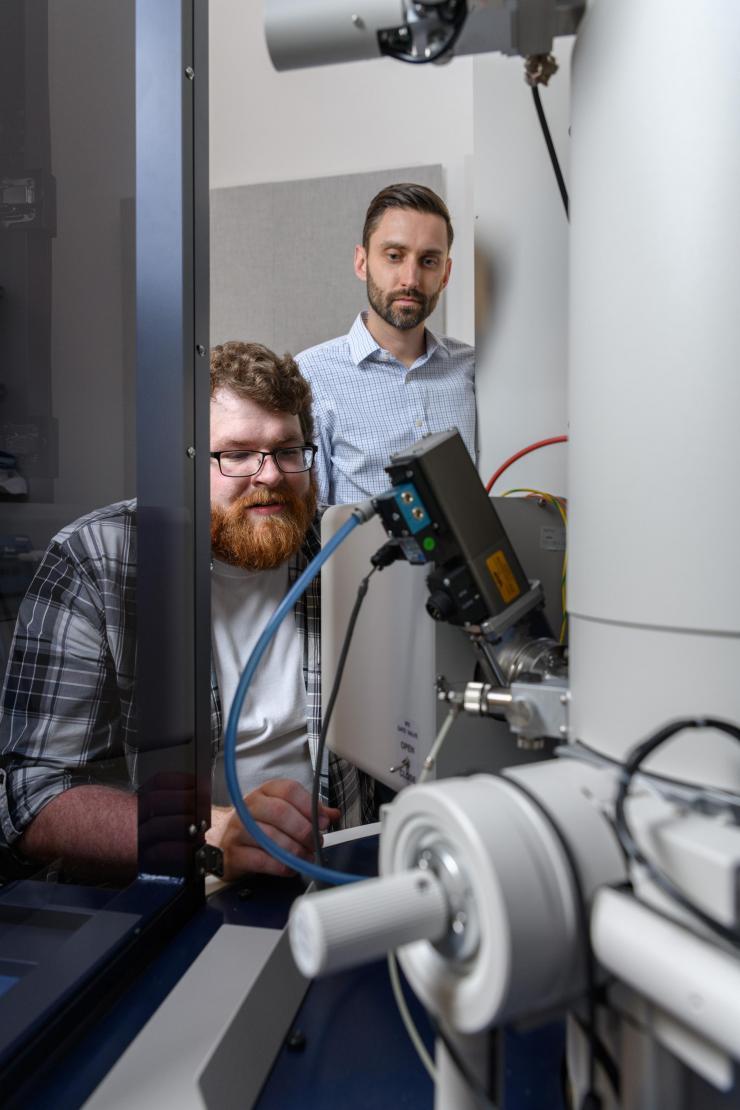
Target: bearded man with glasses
68,781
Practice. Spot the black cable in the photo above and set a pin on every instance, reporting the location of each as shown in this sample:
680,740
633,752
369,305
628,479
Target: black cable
591,1099
716,794
479,1091
630,767
551,149
390,552
361,591
603,1057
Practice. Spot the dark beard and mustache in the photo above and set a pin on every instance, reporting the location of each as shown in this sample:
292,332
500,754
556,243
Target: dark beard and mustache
402,317
262,543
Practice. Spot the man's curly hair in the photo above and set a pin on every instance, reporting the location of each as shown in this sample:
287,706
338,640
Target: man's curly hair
255,372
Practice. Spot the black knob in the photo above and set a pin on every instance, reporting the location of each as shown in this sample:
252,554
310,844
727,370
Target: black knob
440,606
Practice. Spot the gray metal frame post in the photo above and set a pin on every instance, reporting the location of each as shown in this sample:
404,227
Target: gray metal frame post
173,598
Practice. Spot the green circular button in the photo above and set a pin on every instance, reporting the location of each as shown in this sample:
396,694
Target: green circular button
429,543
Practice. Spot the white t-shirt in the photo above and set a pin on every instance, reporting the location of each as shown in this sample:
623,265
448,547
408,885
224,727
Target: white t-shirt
273,737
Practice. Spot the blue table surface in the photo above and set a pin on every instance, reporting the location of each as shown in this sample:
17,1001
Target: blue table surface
349,1046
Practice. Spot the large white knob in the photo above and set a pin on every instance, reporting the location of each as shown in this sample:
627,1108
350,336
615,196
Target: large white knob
357,923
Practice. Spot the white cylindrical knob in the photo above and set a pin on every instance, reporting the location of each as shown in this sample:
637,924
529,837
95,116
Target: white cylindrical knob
354,924
686,975
303,33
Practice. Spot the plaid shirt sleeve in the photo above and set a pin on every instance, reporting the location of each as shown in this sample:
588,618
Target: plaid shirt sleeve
68,699
67,709
342,785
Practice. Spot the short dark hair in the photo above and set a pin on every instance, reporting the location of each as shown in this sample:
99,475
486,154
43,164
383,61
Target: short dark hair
255,372
405,195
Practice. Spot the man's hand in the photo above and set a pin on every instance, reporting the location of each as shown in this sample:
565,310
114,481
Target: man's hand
282,808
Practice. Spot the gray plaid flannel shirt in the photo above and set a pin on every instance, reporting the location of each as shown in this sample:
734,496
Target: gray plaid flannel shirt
67,711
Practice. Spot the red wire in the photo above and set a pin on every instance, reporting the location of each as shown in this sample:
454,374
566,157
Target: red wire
524,451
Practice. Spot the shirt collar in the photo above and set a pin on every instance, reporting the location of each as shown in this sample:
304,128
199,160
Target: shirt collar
361,342
362,345
434,343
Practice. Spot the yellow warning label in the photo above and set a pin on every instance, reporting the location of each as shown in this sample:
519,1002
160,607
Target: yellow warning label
503,576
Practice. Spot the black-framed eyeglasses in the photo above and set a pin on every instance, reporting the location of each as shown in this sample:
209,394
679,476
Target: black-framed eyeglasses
245,464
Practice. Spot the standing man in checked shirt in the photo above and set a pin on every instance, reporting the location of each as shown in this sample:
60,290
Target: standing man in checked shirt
390,381
68,741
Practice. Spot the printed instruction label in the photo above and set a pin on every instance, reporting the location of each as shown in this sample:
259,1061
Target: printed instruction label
503,576
407,733
552,539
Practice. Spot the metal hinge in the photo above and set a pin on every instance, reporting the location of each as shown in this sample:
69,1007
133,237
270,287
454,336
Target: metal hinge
28,202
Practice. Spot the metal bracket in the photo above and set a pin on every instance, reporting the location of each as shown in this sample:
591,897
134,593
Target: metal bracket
28,202
210,861
534,710
494,627
538,710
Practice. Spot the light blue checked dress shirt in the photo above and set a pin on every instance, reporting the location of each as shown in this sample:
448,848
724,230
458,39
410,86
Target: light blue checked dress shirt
367,406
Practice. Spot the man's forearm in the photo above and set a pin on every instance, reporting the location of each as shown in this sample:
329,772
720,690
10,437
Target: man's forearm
92,829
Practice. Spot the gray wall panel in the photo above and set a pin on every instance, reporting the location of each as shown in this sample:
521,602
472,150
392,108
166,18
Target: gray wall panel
281,257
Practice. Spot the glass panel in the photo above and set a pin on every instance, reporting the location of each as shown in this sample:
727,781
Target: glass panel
107,673
67,398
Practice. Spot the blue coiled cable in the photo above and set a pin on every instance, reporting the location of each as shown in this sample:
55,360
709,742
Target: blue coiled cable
304,867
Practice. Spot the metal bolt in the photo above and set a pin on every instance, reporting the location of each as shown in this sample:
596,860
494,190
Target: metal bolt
563,699
190,73
200,349
193,830
190,452
296,1041
563,730
358,21
203,825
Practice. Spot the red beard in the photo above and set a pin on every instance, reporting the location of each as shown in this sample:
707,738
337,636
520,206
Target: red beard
261,543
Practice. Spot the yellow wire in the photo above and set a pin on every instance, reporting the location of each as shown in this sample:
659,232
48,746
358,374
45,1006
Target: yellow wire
545,496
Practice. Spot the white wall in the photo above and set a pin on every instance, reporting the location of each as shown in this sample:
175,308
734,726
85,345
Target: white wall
522,245
268,126
477,118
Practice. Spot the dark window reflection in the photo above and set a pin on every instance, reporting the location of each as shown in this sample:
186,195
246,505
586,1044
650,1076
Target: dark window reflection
67,328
